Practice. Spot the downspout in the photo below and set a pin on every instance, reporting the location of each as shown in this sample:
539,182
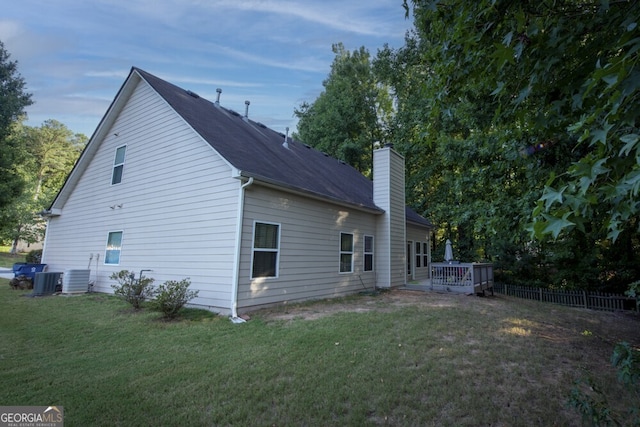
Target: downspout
46,234
236,266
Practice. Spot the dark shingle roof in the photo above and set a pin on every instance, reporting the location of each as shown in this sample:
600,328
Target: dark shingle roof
258,151
415,218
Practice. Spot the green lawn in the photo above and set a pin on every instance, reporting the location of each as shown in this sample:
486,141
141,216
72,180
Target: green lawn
395,359
7,260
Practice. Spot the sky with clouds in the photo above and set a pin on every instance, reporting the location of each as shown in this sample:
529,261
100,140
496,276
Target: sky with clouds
75,54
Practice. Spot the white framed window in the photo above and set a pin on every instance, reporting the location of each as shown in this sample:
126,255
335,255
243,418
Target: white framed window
368,253
425,254
346,253
118,165
114,247
266,250
418,254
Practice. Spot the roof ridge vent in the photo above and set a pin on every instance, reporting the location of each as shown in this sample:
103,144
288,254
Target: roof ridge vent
218,91
195,95
246,111
285,144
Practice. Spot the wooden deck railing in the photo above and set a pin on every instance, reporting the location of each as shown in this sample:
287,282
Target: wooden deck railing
466,277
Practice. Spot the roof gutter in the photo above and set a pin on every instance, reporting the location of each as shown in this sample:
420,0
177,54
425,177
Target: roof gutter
48,213
421,224
236,261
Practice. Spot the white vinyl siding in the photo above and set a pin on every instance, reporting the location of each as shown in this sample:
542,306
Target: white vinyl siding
368,253
346,253
114,248
391,239
178,206
266,247
118,165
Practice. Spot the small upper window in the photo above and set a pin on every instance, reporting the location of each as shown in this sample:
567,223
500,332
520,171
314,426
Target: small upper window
346,253
368,253
118,165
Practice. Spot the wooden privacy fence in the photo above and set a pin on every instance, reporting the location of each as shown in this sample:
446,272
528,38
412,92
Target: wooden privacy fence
585,299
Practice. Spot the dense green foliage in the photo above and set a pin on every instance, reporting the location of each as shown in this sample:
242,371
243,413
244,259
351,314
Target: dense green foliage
50,152
13,101
542,75
34,256
506,101
346,119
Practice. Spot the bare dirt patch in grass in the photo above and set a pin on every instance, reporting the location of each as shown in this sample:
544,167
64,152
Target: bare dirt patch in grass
520,349
519,317
384,302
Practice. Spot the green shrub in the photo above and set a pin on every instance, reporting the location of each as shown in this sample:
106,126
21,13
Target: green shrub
134,291
171,296
588,398
633,291
626,360
34,256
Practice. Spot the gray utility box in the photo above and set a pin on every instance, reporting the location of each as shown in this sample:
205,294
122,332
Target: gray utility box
75,281
46,283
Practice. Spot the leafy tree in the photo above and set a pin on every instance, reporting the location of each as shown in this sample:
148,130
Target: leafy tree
488,98
559,73
52,150
13,101
20,221
473,177
348,116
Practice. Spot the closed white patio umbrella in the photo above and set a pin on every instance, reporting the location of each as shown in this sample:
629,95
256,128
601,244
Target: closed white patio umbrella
448,251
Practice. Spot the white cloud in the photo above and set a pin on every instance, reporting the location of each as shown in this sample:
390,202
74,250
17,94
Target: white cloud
9,30
23,44
117,74
343,16
302,64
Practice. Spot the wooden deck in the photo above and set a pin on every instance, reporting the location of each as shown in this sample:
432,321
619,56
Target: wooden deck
468,278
